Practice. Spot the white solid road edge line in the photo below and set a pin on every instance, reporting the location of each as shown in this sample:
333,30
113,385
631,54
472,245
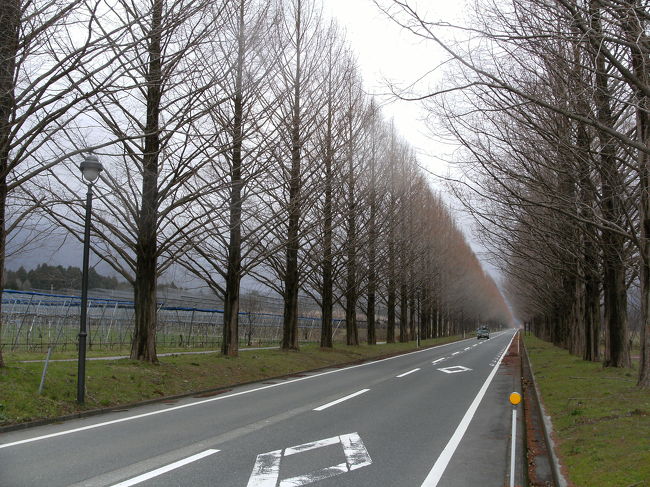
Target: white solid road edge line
443,460
167,468
407,373
349,396
212,399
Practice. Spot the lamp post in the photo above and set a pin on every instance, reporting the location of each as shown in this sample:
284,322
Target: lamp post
90,168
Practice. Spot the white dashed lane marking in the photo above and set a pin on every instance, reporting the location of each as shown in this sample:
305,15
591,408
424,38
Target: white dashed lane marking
407,373
333,403
167,468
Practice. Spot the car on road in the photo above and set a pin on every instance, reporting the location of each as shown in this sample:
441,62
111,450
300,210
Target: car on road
482,332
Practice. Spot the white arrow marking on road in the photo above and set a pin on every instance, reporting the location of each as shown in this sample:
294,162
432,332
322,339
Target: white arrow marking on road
355,451
454,370
407,373
316,476
167,468
333,403
267,465
266,469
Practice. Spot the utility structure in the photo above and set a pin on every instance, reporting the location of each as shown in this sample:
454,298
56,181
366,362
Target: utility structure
90,169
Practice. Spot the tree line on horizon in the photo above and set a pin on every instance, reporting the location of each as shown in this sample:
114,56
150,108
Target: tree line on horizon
237,140
549,101
51,277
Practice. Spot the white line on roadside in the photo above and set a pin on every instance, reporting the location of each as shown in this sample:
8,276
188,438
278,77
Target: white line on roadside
167,468
333,403
439,360
407,373
439,467
212,399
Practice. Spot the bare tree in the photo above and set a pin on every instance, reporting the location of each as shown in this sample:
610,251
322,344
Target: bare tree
602,46
228,247
354,122
322,247
41,55
152,108
300,80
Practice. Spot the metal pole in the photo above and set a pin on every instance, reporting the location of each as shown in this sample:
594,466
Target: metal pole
515,399
47,361
513,445
81,365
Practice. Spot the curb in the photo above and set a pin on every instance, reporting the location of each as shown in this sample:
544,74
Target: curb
547,428
211,391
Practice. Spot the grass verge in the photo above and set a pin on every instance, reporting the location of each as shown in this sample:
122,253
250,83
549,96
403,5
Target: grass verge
601,420
118,382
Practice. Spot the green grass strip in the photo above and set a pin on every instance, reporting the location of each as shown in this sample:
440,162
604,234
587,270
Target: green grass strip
601,420
114,383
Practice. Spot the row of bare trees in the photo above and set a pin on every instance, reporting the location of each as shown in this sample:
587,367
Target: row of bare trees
237,142
550,102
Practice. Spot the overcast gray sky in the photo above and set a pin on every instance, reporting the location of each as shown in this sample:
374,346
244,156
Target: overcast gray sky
385,51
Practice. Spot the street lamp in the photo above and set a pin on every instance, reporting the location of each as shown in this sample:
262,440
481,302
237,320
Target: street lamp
90,168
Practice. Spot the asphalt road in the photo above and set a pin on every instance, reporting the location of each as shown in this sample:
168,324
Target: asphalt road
436,417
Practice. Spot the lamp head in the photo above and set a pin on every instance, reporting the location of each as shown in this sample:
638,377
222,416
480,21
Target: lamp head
90,168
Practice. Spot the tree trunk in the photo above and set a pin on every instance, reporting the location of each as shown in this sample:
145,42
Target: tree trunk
636,34
390,303
403,313
589,257
230,344
291,280
9,35
328,301
423,306
372,257
144,337
613,244
592,301
436,333
290,326
352,333
327,292
577,342
412,311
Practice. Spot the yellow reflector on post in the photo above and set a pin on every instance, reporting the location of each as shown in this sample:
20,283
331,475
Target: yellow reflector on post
515,398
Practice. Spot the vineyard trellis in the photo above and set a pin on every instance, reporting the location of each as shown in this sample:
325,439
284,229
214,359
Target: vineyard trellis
34,321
